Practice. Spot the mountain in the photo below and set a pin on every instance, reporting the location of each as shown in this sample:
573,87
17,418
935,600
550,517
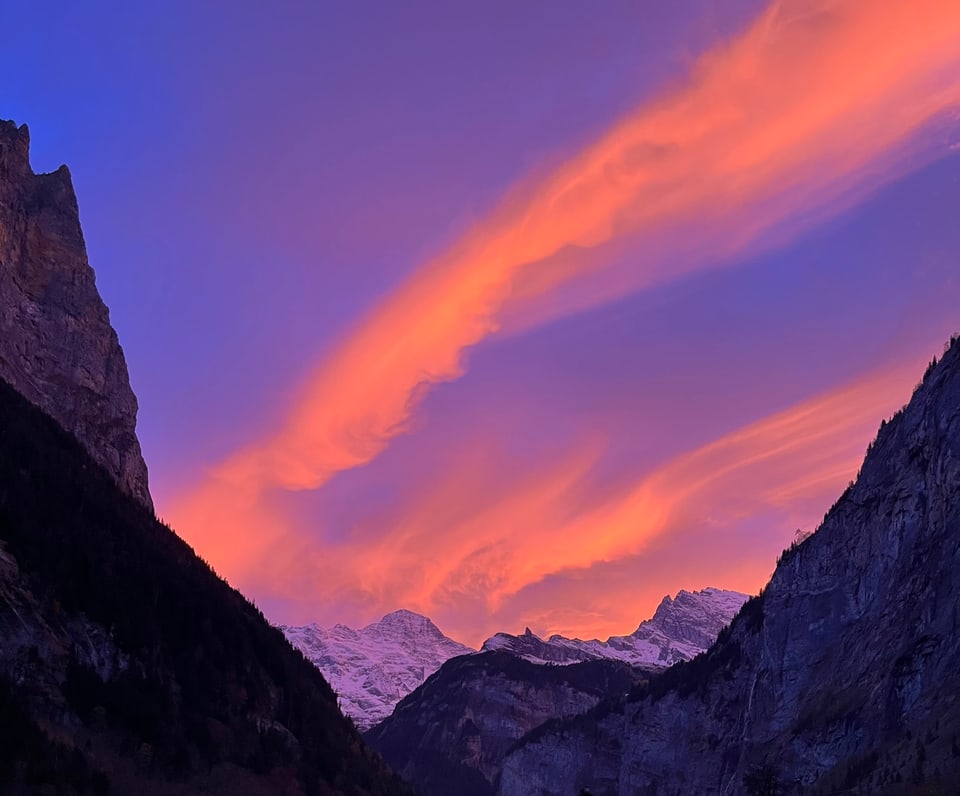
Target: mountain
126,664
56,344
843,676
373,668
681,628
449,737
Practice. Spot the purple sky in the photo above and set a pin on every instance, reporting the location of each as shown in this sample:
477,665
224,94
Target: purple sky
255,182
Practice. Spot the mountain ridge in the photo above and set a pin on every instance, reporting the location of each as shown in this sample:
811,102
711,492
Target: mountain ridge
682,627
449,736
373,668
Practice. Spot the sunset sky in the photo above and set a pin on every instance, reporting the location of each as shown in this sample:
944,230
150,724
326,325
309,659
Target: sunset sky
512,314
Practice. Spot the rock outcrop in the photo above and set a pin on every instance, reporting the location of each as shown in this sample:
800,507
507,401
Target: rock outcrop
842,677
682,627
373,668
56,343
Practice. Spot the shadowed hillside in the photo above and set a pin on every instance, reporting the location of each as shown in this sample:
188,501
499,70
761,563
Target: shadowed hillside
127,665
449,736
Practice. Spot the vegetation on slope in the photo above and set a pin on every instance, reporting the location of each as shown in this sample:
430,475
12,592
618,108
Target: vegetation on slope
201,688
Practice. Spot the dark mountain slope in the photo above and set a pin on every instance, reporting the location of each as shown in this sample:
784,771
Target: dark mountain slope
450,735
127,665
842,677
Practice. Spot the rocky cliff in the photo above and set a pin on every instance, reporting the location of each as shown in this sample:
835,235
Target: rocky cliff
842,677
56,343
449,737
682,627
373,668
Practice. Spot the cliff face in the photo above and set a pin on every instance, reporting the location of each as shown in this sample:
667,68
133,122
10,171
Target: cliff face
844,676
56,343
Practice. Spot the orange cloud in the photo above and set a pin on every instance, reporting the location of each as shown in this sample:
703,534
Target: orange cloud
816,99
503,543
469,556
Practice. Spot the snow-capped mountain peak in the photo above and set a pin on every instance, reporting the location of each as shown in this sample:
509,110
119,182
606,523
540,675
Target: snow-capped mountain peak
373,668
681,628
406,624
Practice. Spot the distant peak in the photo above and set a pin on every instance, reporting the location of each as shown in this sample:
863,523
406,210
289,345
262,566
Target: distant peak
706,592
404,615
403,619
404,612
708,600
373,668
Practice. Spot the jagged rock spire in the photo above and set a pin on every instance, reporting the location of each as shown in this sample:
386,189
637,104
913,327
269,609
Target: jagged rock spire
57,346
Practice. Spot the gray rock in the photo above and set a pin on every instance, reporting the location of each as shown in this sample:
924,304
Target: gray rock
56,343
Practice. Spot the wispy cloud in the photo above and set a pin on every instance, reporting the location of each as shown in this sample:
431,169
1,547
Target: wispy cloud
470,554
486,552
814,103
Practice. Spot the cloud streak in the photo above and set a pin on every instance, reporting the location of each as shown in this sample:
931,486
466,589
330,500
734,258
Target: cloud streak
468,555
814,102
491,550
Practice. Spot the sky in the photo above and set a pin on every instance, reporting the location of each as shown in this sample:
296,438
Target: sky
512,314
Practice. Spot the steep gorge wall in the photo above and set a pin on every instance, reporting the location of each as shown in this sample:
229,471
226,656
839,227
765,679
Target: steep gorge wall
57,346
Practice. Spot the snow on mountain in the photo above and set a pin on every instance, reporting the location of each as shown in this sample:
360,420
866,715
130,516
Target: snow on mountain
680,629
373,668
